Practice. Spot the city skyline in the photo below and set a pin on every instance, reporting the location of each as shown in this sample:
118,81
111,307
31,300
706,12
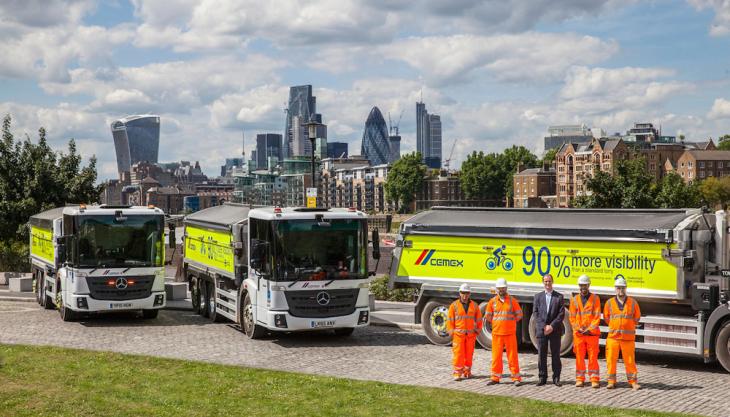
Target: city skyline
497,74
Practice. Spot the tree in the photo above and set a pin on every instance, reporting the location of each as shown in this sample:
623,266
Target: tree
723,143
405,179
489,176
631,186
716,191
549,157
34,178
510,160
673,192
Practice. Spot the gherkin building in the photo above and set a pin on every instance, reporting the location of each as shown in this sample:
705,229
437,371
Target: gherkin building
375,144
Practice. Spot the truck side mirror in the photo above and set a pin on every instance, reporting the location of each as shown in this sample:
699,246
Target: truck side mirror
376,245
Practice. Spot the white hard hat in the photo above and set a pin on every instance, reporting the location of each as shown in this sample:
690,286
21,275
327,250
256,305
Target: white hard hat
464,288
620,281
584,280
501,283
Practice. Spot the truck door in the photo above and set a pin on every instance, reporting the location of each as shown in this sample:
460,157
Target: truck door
261,262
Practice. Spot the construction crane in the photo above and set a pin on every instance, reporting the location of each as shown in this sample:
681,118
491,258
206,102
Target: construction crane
447,162
394,128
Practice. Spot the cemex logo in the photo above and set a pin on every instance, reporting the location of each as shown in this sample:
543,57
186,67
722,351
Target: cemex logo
426,258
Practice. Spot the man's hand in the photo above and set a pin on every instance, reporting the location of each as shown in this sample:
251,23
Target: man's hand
548,329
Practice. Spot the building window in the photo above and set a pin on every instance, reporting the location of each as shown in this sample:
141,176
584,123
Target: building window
720,164
702,164
710,164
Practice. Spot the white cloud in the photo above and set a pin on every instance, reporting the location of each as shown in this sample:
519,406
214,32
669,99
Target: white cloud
531,56
721,23
720,109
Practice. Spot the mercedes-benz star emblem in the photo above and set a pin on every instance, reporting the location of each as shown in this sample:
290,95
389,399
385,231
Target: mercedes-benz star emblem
323,298
121,283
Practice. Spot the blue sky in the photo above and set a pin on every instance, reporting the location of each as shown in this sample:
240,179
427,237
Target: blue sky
498,71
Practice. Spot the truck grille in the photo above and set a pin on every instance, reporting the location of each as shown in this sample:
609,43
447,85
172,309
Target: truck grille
101,290
305,303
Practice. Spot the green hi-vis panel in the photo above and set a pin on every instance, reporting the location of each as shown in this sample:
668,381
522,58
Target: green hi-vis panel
526,261
41,244
209,247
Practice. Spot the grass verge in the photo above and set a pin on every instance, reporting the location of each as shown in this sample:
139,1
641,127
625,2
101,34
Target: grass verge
49,381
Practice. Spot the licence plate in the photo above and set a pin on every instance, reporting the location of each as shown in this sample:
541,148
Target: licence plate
318,324
120,305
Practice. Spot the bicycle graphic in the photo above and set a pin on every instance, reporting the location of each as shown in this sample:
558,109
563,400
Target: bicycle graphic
499,258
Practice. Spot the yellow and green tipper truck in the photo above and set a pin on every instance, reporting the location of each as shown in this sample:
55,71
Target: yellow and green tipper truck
676,263
91,259
279,269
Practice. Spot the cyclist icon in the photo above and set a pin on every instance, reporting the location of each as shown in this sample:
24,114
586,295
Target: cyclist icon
499,257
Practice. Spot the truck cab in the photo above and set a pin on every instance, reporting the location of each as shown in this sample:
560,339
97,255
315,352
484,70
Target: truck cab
88,259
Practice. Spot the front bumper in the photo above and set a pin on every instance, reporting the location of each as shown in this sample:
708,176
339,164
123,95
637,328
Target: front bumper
78,300
276,320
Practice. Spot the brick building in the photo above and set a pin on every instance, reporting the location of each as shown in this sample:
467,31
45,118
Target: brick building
534,187
696,165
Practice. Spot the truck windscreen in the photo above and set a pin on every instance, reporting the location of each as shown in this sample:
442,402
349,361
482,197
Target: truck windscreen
114,242
319,250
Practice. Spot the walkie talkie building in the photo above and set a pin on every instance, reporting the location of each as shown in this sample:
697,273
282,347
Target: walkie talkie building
136,139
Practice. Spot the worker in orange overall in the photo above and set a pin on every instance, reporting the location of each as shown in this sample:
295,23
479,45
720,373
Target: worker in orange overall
463,324
622,315
501,315
585,317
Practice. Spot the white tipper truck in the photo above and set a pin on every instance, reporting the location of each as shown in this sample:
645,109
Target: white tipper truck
90,259
676,263
279,269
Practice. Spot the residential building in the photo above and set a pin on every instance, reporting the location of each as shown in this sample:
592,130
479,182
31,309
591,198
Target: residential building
171,200
136,139
696,165
561,134
534,187
642,132
375,139
445,190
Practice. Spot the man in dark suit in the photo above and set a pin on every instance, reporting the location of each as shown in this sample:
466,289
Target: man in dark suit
549,313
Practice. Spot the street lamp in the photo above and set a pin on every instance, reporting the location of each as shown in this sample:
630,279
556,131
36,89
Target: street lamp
312,126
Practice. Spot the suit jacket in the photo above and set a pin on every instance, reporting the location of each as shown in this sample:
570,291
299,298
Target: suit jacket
553,315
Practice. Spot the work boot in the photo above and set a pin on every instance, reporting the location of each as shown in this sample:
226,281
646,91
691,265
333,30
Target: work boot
517,383
467,375
457,376
611,385
595,385
579,384
635,385
492,382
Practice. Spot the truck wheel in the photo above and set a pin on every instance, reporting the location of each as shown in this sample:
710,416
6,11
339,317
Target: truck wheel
150,314
485,336
248,325
66,313
344,332
722,346
212,308
195,294
48,303
433,321
40,293
203,297
566,341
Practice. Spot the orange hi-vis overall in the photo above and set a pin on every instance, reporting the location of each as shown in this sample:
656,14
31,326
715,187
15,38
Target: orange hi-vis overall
464,327
621,335
504,315
588,317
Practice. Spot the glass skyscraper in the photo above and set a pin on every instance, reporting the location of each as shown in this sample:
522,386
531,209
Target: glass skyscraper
428,136
136,139
268,145
375,139
303,105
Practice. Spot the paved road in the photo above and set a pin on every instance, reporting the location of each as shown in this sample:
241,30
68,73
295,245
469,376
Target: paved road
379,353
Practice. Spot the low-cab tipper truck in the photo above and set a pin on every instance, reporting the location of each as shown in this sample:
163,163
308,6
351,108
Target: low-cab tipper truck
90,259
676,263
280,269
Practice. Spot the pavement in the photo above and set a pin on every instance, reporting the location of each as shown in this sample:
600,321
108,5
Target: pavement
384,353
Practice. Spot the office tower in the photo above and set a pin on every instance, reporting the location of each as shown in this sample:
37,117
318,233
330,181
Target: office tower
301,104
268,145
428,136
136,139
375,141
337,149
394,155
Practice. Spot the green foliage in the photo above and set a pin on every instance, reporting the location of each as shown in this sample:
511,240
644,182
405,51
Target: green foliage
34,178
379,288
716,191
549,157
405,179
14,256
723,143
489,176
631,186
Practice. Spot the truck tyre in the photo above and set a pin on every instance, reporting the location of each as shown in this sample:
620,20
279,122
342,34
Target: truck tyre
347,331
66,313
485,336
248,325
150,314
433,321
722,346
566,342
212,307
203,297
40,293
194,294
